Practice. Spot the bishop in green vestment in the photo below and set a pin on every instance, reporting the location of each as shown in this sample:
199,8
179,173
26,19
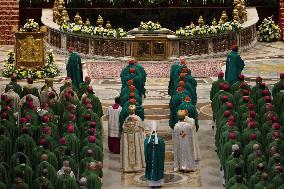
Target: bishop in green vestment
74,68
84,86
234,66
215,85
154,151
16,87
239,183
191,109
277,86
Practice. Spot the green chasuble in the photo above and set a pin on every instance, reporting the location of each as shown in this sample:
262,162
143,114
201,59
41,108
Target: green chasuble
192,112
234,67
246,134
125,91
279,102
254,179
42,182
15,159
175,101
277,180
73,143
5,149
227,150
126,98
236,86
140,69
230,167
217,101
28,142
16,88
264,185
97,151
137,82
232,182
3,172
97,105
248,149
154,158
252,164
93,180
187,86
239,186
74,69
66,182
82,89
23,186
277,87
2,185
174,73
84,163
51,171
215,87
27,173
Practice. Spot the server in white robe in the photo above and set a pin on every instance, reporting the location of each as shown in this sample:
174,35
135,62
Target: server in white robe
184,158
112,115
132,143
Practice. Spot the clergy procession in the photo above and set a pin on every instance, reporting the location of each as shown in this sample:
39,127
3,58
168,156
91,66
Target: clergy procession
249,132
53,139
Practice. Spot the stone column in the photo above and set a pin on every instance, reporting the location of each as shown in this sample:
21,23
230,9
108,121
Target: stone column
9,17
281,16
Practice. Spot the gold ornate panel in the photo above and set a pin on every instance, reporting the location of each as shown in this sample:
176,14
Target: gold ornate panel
30,49
150,48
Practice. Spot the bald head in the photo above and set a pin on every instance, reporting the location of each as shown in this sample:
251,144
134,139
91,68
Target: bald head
44,157
66,163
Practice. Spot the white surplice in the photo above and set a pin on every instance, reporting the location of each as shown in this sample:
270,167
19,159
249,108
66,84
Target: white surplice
197,154
113,121
184,158
132,144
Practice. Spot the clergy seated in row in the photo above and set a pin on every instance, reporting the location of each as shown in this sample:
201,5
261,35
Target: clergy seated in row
132,139
154,157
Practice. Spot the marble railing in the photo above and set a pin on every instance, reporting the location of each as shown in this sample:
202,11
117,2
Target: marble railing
91,46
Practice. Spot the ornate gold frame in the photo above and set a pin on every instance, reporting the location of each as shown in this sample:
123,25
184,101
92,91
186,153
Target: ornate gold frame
30,49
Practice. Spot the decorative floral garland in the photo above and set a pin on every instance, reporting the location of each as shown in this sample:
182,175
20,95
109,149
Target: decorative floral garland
268,31
205,30
30,25
150,26
49,70
91,30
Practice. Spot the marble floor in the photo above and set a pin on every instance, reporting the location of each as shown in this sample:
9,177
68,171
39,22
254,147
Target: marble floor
265,59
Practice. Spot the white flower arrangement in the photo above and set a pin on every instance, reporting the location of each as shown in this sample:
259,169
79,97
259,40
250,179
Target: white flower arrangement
50,69
268,31
91,30
150,26
208,30
30,25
